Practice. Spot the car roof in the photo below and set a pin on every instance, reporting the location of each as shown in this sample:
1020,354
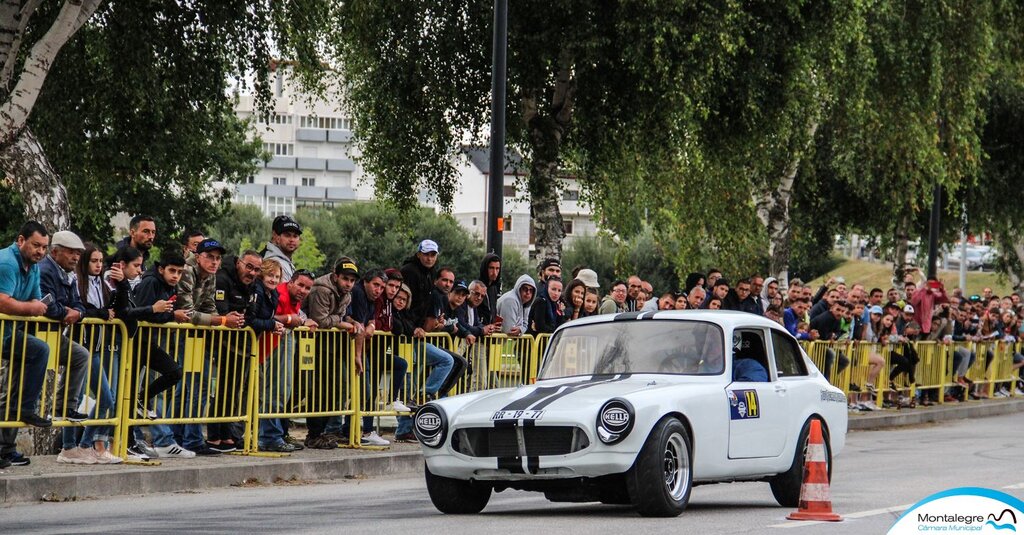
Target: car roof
722,318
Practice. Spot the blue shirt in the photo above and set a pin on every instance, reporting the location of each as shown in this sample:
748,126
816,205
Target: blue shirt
15,280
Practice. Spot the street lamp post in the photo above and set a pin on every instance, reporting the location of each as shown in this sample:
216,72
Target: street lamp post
494,222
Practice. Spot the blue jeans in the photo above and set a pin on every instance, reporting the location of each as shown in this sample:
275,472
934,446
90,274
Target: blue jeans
441,363
276,386
193,392
100,387
28,357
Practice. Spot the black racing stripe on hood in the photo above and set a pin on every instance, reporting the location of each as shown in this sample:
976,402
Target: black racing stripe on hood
551,399
540,393
512,464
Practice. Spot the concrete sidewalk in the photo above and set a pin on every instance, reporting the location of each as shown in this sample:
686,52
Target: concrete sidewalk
46,480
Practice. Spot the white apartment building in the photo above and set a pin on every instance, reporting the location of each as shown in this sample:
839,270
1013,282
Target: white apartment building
312,165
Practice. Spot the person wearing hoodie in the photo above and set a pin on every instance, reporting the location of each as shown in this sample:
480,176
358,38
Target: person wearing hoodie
285,238
327,304
490,275
769,291
514,307
547,313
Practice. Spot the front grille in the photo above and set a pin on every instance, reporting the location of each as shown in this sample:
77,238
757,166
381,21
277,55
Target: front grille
504,441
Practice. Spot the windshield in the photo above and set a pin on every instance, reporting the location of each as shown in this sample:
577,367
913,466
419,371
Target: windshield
652,346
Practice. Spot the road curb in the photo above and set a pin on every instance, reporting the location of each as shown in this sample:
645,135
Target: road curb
128,480
939,413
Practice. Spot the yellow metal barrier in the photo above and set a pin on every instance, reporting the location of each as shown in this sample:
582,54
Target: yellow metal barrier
217,388
38,357
307,374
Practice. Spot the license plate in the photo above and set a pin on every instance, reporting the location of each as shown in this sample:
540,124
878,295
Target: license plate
517,415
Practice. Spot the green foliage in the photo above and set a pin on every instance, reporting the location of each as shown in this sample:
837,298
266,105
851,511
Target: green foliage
594,252
643,255
246,245
372,234
308,255
241,224
136,113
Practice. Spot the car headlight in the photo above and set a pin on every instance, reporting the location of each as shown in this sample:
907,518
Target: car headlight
615,420
430,425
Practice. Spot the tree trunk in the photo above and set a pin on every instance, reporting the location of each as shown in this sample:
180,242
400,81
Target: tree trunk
773,211
546,125
30,174
899,261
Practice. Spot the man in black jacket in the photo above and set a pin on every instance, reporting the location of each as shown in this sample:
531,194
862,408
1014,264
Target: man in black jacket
490,277
236,293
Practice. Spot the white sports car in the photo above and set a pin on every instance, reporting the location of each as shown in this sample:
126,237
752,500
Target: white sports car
636,408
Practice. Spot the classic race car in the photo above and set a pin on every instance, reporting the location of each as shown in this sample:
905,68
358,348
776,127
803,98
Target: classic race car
636,408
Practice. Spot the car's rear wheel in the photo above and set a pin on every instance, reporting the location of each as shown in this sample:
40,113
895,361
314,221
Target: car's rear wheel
455,496
660,481
786,486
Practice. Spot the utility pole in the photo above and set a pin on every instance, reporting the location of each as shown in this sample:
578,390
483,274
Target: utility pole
495,219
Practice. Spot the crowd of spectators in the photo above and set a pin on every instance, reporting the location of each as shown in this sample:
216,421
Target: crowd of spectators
61,277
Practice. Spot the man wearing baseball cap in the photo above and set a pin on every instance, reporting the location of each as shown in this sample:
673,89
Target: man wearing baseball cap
57,279
285,238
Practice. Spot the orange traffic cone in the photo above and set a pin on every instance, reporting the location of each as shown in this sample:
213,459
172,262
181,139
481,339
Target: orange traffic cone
815,497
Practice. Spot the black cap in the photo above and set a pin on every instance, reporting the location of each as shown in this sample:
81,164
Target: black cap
285,223
548,262
461,287
346,265
210,244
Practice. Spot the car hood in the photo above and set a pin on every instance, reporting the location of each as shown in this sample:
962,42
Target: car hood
569,394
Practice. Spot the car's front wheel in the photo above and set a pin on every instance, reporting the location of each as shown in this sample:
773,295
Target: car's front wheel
660,481
455,496
786,486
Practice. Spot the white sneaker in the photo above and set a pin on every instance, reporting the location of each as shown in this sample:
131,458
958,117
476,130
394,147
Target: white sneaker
869,406
1018,392
400,407
373,439
105,457
174,451
75,455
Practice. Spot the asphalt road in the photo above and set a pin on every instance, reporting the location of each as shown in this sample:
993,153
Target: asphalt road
878,476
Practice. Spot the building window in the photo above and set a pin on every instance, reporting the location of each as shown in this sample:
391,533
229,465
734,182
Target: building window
280,149
325,123
567,226
308,181
571,195
280,206
474,221
509,191
508,224
250,180
280,181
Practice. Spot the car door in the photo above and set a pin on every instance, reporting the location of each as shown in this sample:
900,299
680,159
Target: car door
758,409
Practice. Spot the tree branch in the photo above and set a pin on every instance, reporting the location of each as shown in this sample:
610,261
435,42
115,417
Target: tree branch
14,113
27,10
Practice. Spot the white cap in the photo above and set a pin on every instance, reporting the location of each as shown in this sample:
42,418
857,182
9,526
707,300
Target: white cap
908,308
589,278
68,240
427,246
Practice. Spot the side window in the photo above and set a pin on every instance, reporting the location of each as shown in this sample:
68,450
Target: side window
749,359
788,361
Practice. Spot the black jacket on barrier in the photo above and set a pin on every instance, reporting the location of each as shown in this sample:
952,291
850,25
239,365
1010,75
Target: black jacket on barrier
474,327
233,295
151,289
127,309
487,308
402,323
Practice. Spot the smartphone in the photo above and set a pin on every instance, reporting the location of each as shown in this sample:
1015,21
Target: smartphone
173,298
498,320
47,299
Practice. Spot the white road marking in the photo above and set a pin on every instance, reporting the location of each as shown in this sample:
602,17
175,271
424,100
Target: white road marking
1017,486
859,514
